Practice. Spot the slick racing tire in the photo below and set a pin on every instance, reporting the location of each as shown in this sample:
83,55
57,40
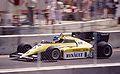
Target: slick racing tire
53,54
104,50
22,48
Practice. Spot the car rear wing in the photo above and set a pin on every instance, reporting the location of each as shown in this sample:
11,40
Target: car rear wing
91,36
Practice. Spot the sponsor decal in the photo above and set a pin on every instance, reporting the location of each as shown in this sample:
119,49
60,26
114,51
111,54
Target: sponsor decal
80,43
72,55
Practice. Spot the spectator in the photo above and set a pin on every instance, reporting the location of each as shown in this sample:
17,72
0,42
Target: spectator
118,11
105,12
74,2
86,9
101,8
111,6
31,4
46,12
52,16
59,10
114,9
46,15
93,9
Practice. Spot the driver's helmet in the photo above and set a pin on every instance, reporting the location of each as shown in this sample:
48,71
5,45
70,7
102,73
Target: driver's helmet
55,38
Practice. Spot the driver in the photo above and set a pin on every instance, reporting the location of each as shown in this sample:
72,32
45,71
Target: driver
56,39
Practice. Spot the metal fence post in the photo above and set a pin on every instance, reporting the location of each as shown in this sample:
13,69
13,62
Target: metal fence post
95,47
39,59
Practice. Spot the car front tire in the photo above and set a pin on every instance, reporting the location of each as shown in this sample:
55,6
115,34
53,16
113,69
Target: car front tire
22,48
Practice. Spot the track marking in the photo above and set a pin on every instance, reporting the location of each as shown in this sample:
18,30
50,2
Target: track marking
118,50
58,67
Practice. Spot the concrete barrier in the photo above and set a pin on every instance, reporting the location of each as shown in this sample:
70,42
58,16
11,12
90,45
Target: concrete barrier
81,26
66,27
115,39
8,45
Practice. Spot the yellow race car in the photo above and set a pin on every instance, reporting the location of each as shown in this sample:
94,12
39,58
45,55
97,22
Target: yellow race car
64,47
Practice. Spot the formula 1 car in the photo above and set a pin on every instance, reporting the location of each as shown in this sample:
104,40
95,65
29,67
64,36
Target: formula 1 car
79,45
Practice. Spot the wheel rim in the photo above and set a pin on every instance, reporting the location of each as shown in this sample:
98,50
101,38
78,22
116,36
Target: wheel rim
55,54
107,51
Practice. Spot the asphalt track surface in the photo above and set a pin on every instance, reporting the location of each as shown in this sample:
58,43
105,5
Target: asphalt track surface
6,63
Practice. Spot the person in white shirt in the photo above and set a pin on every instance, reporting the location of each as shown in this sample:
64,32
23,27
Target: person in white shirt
58,11
52,16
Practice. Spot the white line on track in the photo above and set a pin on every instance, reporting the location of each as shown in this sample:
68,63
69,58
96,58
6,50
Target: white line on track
116,50
58,67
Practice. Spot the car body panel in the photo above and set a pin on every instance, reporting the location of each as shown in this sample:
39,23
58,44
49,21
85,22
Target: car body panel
76,47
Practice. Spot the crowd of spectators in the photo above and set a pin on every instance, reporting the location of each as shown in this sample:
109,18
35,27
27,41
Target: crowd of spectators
57,10
89,9
53,11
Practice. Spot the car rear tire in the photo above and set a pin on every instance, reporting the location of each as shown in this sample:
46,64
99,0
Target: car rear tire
22,48
104,50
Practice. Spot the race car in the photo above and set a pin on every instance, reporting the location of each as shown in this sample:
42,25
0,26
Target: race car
67,47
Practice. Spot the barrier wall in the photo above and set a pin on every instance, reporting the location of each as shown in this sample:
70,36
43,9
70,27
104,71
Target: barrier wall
114,39
80,26
66,27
